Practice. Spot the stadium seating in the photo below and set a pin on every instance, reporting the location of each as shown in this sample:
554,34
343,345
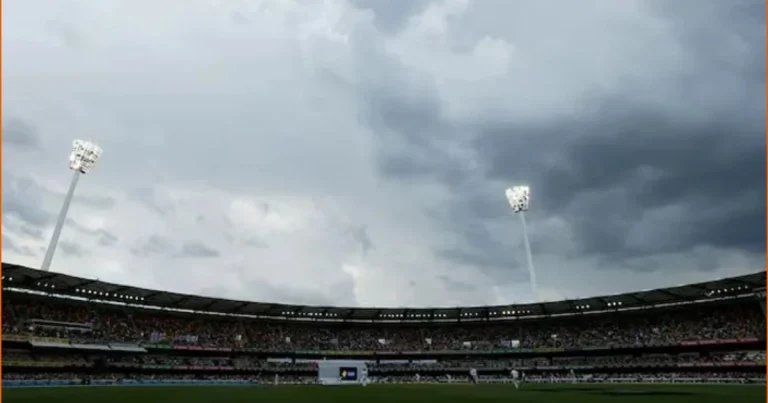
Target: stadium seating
50,337
713,322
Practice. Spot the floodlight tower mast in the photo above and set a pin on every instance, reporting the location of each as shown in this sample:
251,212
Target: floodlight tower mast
519,199
82,158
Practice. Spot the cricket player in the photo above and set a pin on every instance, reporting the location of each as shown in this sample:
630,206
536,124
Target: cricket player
417,378
473,375
515,378
364,376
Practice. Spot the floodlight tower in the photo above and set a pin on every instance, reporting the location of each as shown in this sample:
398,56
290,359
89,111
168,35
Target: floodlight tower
82,158
519,198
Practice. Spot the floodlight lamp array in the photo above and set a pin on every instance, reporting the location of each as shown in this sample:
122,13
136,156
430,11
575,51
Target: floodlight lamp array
83,156
519,198
725,291
309,314
96,294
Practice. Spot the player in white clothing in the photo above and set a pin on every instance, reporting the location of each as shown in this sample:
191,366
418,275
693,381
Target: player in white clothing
473,375
515,378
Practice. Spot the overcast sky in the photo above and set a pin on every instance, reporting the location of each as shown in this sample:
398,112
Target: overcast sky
356,152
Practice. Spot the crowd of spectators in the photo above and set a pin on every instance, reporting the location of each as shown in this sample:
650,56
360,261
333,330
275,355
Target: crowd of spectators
118,377
237,362
119,324
307,379
251,363
756,357
588,377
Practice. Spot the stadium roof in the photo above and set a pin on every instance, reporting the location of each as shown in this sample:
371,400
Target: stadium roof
20,277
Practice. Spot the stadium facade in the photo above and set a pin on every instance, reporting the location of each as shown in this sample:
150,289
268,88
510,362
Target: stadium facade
63,329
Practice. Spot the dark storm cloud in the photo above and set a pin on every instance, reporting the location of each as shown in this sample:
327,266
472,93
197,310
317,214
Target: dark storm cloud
107,238
31,232
9,244
65,33
360,235
22,198
455,285
337,294
409,123
632,177
493,258
255,243
390,17
705,180
263,291
24,215
14,224
149,198
97,202
197,249
71,249
104,237
478,246
155,245
20,133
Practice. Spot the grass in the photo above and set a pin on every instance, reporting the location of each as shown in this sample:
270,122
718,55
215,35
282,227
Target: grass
393,394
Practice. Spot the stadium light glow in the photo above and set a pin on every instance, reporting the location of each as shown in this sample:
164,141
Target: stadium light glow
519,198
82,159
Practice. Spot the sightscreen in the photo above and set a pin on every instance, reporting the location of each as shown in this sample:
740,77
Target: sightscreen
348,373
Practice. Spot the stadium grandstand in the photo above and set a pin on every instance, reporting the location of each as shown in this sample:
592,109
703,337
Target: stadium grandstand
63,330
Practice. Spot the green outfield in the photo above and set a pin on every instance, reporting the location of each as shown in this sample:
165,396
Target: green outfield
392,394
